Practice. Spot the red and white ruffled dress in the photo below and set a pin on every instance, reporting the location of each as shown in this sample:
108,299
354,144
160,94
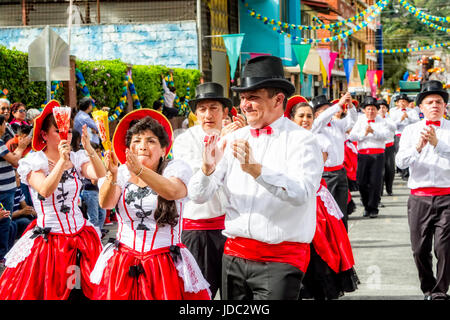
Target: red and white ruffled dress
58,250
330,272
146,261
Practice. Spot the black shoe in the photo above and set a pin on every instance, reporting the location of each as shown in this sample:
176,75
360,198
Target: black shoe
427,297
381,205
373,214
390,194
439,296
405,178
366,213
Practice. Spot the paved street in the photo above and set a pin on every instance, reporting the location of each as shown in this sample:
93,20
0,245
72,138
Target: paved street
382,250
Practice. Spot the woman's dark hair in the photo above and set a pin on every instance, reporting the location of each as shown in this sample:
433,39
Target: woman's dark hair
166,210
300,105
16,105
76,141
2,119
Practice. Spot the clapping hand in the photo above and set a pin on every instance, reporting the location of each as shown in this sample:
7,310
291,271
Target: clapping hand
111,162
212,153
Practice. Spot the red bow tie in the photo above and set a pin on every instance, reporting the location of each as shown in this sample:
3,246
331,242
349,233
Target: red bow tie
257,132
403,109
329,124
436,123
369,121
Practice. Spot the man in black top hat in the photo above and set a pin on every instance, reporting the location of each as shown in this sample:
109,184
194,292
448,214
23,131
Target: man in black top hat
270,172
371,132
203,223
425,149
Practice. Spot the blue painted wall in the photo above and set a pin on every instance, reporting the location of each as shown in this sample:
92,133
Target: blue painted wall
260,37
170,44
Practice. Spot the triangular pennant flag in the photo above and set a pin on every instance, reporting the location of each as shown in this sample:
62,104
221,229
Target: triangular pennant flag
233,43
362,70
301,53
379,77
324,55
371,77
348,67
333,57
323,71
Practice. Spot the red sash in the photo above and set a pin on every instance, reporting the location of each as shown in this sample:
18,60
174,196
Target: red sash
398,134
293,253
390,144
335,168
371,151
430,191
217,223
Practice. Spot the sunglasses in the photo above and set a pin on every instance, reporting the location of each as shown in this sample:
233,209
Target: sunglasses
5,109
22,111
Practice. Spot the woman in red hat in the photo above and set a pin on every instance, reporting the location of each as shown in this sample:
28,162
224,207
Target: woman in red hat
58,251
147,260
330,271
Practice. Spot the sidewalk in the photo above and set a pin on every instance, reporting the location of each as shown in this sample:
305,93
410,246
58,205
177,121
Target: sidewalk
382,250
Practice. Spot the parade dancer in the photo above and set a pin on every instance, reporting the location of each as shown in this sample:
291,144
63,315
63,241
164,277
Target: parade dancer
270,172
389,151
147,260
335,132
330,272
425,149
203,223
370,132
402,116
60,243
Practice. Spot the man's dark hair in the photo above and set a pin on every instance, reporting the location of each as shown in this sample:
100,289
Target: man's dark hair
84,103
157,105
24,129
274,91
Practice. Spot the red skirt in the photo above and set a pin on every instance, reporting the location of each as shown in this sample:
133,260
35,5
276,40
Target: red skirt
350,162
158,278
331,240
50,271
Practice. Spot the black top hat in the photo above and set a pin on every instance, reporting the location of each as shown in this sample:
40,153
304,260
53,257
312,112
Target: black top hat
382,102
432,87
319,101
209,91
403,96
264,72
370,101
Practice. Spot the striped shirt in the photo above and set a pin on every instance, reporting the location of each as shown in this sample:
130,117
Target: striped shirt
18,198
7,175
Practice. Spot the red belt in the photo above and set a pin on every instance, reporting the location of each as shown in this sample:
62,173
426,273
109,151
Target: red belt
371,151
390,144
217,223
335,168
293,253
430,191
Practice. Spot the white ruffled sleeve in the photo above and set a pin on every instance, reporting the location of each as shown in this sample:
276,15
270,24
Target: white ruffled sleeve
179,169
34,161
79,158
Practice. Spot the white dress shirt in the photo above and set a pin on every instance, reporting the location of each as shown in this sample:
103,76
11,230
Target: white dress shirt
188,147
374,140
430,167
396,116
279,205
392,127
336,132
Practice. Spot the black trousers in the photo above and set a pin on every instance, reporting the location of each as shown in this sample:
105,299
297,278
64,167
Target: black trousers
429,221
389,169
207,248
244,279
370,180
337,184
403,172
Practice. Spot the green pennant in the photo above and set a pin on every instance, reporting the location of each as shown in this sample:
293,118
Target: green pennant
301,53
362,69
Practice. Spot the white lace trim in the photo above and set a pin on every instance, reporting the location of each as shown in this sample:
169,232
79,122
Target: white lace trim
102,262
191,274
330,204
20,251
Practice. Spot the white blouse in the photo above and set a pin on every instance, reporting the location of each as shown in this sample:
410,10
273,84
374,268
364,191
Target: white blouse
60,211
137,228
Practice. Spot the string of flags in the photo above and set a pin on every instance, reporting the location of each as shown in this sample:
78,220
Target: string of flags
406,50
